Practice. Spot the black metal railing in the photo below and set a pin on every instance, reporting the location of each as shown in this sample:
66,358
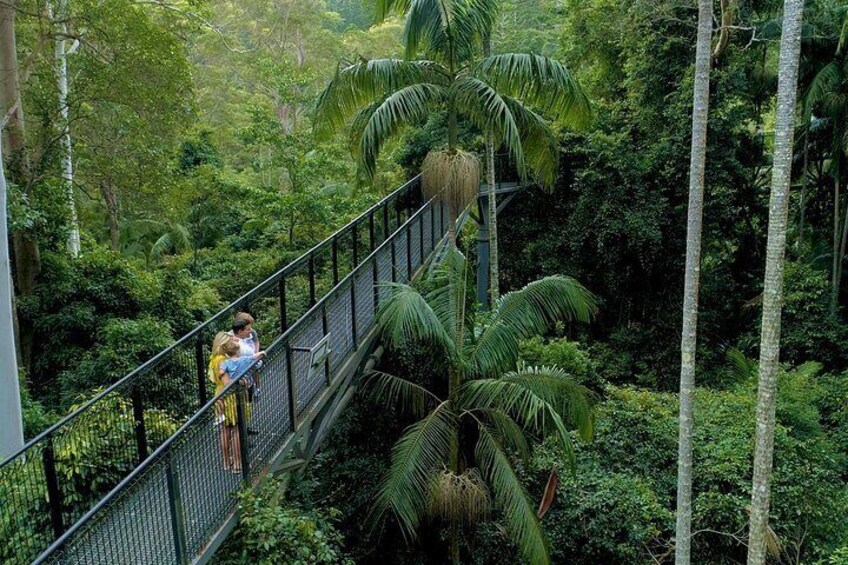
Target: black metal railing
64,471
170,506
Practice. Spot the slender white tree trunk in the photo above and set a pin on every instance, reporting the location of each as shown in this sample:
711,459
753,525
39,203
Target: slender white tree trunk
787,86
11,429
494,269
692,279
67,156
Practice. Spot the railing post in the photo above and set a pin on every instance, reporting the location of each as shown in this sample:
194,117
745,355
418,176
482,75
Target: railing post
355,244
242,430
385,221
394,260
433,225
353,312
335,261
175,503
54,495
397,213
324,334
284,324
371,244
311,280
409,252
292,388
421,239
376,276
201,373
138,424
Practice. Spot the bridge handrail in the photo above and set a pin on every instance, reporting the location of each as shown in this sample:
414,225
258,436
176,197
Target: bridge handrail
42,444
347,283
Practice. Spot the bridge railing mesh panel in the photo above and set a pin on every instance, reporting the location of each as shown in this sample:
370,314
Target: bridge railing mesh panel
168,508
132,417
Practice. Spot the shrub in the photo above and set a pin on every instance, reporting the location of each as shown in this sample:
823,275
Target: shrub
562,353
270,532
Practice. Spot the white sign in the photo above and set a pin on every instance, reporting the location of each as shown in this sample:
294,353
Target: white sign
318,354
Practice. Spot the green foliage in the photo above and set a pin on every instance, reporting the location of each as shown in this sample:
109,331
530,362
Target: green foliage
270,532
620,506
563,353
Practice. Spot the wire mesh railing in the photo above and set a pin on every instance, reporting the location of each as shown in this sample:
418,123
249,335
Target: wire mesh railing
169,508
64,471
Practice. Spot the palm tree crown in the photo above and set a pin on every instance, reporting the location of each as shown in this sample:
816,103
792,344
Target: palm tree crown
453,463
502,95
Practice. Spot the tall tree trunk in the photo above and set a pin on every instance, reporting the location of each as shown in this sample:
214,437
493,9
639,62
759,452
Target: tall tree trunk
787,85
689,333
62,53
494,269
11,107
11,430
112,211
834,270
839,259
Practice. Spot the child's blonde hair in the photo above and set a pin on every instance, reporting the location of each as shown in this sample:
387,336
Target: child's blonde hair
231,348
221,338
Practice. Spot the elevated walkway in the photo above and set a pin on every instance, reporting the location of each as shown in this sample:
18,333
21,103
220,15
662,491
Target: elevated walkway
170,498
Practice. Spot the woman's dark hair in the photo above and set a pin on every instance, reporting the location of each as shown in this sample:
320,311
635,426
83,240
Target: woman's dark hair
239,325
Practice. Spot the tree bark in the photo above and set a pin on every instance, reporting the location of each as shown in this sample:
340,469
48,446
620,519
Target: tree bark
10,97
787,86
61,54
494,269
11,432
689,333
112,211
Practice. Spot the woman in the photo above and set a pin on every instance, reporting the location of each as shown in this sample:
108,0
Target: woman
225,408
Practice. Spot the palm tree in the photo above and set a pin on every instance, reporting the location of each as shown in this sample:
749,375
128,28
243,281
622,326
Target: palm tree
453,464
787,86
499,95
692,278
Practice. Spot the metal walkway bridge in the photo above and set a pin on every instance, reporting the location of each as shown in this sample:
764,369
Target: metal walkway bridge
158,492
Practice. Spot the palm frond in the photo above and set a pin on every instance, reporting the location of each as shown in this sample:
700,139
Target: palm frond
160,247
521,314
472,22
406,106
406,317
487,110
449,296
358,84
544,83
541,150
509,433
428,24
740,366
411,397
515,398
571,400
512,499
825,81
417,457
